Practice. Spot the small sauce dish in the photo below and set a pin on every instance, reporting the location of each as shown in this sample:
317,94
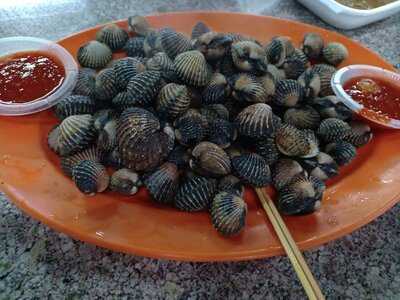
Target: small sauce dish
34,75
371,92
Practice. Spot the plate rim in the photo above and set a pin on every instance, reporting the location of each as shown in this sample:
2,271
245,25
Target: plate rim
207,256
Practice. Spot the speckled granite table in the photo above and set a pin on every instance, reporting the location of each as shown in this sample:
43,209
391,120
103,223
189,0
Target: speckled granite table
38,263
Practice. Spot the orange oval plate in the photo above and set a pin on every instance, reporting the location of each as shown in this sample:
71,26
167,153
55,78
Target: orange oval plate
30,175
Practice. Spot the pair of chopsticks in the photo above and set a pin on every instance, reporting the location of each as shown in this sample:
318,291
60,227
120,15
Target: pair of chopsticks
303,272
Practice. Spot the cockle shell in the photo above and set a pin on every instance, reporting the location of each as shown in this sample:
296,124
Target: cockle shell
278,49
295,64
266,147
216,91
85,83
311,83
333,130
106,84
90,177
173,100
302,196
139,25
74,105
284,171
295,142
152,43
125,69
113,36
232,184
195,193
247,88
192,68
73,134
190,128
321,166
360,134
221,132
252,169
249,57
342,152
331,107
174,42
94,55
312,45
228,213
163,183
213,45
255,121
125,181
107,138
198,29
141,145
134,47
209,159
304,117
325,73
143,87
288,93
335,53
69,162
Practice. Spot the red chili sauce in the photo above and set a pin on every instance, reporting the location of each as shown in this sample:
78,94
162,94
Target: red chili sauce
28,76
376,95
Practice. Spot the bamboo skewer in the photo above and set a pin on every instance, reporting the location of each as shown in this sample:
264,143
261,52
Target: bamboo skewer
303,272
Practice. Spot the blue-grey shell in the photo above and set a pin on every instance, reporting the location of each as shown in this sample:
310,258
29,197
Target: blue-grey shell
134,47
333,130
143,87
288,93
266,147
304,117
342,152
174,42
302,196
252,169
106,84
85,83
68,162
255,121
295,64
173,100
190,128
113,36
198,29
325,73
331,107
195,193
74,105
94,55
163,183
192,68
283,172
312,45
221,132
209,159
125,69
335,53
90,177
74,133
228,213
125,182
295,142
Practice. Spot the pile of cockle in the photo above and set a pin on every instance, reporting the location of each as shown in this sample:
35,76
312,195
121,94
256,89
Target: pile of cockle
196,118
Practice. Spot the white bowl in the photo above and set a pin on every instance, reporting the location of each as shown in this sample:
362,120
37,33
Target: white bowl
345,74
345,17
18,44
